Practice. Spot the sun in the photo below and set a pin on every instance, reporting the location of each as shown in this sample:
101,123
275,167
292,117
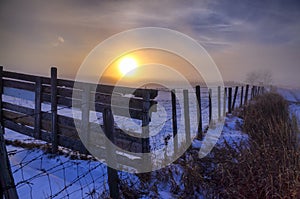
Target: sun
127,65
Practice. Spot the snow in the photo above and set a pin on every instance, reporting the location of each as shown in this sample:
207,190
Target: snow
62,177
293,97
12,135
40,175
231,134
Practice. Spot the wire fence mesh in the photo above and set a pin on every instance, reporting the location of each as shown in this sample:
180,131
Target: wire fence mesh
69,175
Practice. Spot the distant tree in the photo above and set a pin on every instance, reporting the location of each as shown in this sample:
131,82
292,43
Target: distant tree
267,78
259,77
252,78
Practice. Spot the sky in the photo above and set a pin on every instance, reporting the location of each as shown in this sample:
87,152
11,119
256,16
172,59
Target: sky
241,36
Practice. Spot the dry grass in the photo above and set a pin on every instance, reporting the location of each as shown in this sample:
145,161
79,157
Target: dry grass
270,167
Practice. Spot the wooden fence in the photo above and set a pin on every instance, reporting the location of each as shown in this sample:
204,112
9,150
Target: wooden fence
60,130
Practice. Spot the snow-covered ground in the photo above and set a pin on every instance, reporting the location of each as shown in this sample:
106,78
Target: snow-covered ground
293,97
40,175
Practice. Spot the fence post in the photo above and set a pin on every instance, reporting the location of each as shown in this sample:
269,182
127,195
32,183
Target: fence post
219,102
209,106
199,111
7,181
54,109
229,99
38,108
174,121
234,97
246,94
242,95
224,102
145,129
187,116
1,92
113,179
85,114
258,90
252,92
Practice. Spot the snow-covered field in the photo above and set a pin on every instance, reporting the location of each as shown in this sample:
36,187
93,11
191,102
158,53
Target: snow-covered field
39,175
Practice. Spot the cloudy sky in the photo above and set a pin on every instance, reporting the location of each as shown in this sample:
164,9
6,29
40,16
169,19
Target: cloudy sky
240,36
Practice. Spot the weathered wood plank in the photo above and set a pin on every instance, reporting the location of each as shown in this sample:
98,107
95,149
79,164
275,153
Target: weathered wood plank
62,129
63,91
133,113
99,107
18,118
61,119
70,84
19,85
65,83
24,77
118,100
17,108
18,128
123,140
107,89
